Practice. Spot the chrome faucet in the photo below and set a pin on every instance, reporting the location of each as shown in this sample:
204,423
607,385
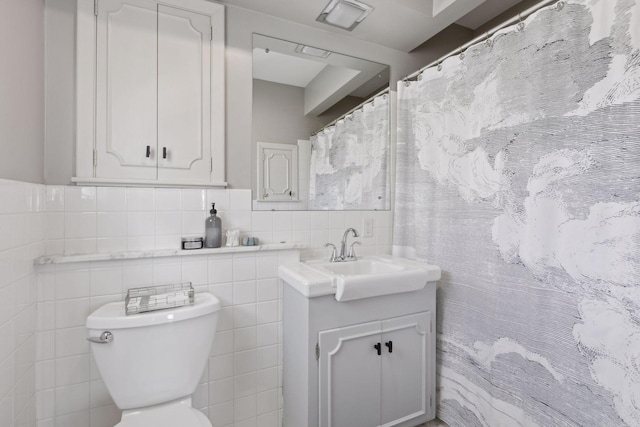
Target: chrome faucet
350,256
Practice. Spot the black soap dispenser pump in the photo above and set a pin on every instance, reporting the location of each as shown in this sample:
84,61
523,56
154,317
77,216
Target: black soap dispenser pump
213,229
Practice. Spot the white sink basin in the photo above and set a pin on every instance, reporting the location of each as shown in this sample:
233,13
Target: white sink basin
370,276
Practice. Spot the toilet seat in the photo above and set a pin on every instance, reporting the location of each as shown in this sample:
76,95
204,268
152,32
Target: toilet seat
166,416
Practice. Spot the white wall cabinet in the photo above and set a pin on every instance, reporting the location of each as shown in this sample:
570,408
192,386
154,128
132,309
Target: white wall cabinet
375,374
277,172
150,79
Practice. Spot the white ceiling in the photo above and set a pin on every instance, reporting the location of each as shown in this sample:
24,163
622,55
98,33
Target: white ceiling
397,24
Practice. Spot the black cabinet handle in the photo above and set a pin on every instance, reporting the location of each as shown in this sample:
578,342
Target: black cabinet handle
148,152
389,346
379,348
164,152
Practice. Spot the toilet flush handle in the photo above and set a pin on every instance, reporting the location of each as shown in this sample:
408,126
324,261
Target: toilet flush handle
105,338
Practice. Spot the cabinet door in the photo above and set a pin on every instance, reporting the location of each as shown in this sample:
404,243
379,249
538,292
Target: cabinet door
277,172
405,374
349,376
126,87
184,95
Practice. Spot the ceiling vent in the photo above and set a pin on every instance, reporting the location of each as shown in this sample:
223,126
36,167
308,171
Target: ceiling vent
345,14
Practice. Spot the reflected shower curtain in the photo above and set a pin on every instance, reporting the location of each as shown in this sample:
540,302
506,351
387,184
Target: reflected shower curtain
518,173
350,160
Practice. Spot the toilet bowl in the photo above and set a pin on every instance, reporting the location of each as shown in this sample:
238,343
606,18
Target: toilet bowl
151,363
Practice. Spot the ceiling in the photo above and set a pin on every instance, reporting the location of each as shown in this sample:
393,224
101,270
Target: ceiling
398,24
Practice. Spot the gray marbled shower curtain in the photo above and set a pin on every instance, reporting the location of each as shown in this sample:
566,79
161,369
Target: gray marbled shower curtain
518,172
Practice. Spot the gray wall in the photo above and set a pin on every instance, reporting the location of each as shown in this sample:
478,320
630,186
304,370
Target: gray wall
241,24
22,90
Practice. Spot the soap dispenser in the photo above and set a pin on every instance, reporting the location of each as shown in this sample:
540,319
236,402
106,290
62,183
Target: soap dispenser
213,229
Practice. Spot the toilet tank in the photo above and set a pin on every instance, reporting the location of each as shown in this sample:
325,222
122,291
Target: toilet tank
155,357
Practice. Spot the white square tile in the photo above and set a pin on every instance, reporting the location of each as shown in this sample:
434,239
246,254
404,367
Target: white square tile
194,200
282,236
300,220
72,370
72,284
141,199
244,315
141,243
220,270
244,268
193,223
267,379
244,407
267,357
111,199
244,384
54,225
337,219
99,394
54,201
224,343
240,200
106,281
236,219
220,391
266,334
71,312
244,338
271,419
112,224
244,292
318,220
225,319
282,221
71,342
45,404
141,224
168,242
262,221
168,223
79,199
76,419
221,366
168,199
137,275
166,272
79,225
267,312
266,267
73,398
111,244
244,362
267,402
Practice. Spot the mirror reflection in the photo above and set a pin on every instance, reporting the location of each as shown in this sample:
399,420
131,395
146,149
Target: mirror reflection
320,129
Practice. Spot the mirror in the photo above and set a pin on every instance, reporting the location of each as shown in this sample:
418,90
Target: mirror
302,94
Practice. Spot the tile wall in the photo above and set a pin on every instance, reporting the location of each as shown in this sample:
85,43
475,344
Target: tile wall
22,220
242,384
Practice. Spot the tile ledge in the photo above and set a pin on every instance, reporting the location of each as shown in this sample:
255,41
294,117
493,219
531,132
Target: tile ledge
159,253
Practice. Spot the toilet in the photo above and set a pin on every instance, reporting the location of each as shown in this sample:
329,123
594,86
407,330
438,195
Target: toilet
151,363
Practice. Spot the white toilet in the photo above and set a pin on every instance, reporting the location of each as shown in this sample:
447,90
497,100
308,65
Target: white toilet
152,362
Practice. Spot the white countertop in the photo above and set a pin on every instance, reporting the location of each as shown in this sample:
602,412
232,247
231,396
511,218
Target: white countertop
158,253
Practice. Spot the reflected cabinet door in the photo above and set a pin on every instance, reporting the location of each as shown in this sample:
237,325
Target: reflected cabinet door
277,172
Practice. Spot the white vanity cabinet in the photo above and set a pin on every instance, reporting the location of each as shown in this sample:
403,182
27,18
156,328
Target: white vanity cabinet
332,373
277,172
150,92
376,373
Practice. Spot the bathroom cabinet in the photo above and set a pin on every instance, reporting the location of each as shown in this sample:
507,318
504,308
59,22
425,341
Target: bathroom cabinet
277,172
150,92
332,373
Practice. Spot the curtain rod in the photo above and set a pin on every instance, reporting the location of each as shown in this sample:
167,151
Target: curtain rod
383,91
521,16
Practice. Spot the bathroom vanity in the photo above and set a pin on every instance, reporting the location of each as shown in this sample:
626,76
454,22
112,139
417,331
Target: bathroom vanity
366,361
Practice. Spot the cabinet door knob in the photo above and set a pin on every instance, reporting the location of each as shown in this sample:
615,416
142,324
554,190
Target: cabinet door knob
164,152
389,346
148,152
378,347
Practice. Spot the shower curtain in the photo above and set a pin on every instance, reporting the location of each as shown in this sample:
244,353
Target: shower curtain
518,173
350,160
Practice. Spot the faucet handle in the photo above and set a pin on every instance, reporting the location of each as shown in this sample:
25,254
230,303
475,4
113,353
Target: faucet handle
334,252
351,255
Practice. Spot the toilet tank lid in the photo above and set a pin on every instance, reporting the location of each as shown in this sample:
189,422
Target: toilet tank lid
112,315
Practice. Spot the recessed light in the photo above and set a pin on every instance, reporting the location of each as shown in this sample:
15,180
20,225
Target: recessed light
345,14
312,51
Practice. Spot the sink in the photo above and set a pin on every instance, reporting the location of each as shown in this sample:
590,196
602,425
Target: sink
367,277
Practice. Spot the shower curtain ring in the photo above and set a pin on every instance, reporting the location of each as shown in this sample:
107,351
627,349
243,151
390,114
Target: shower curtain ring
488,41
419,77
520,26
440,66
461,56
560,5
